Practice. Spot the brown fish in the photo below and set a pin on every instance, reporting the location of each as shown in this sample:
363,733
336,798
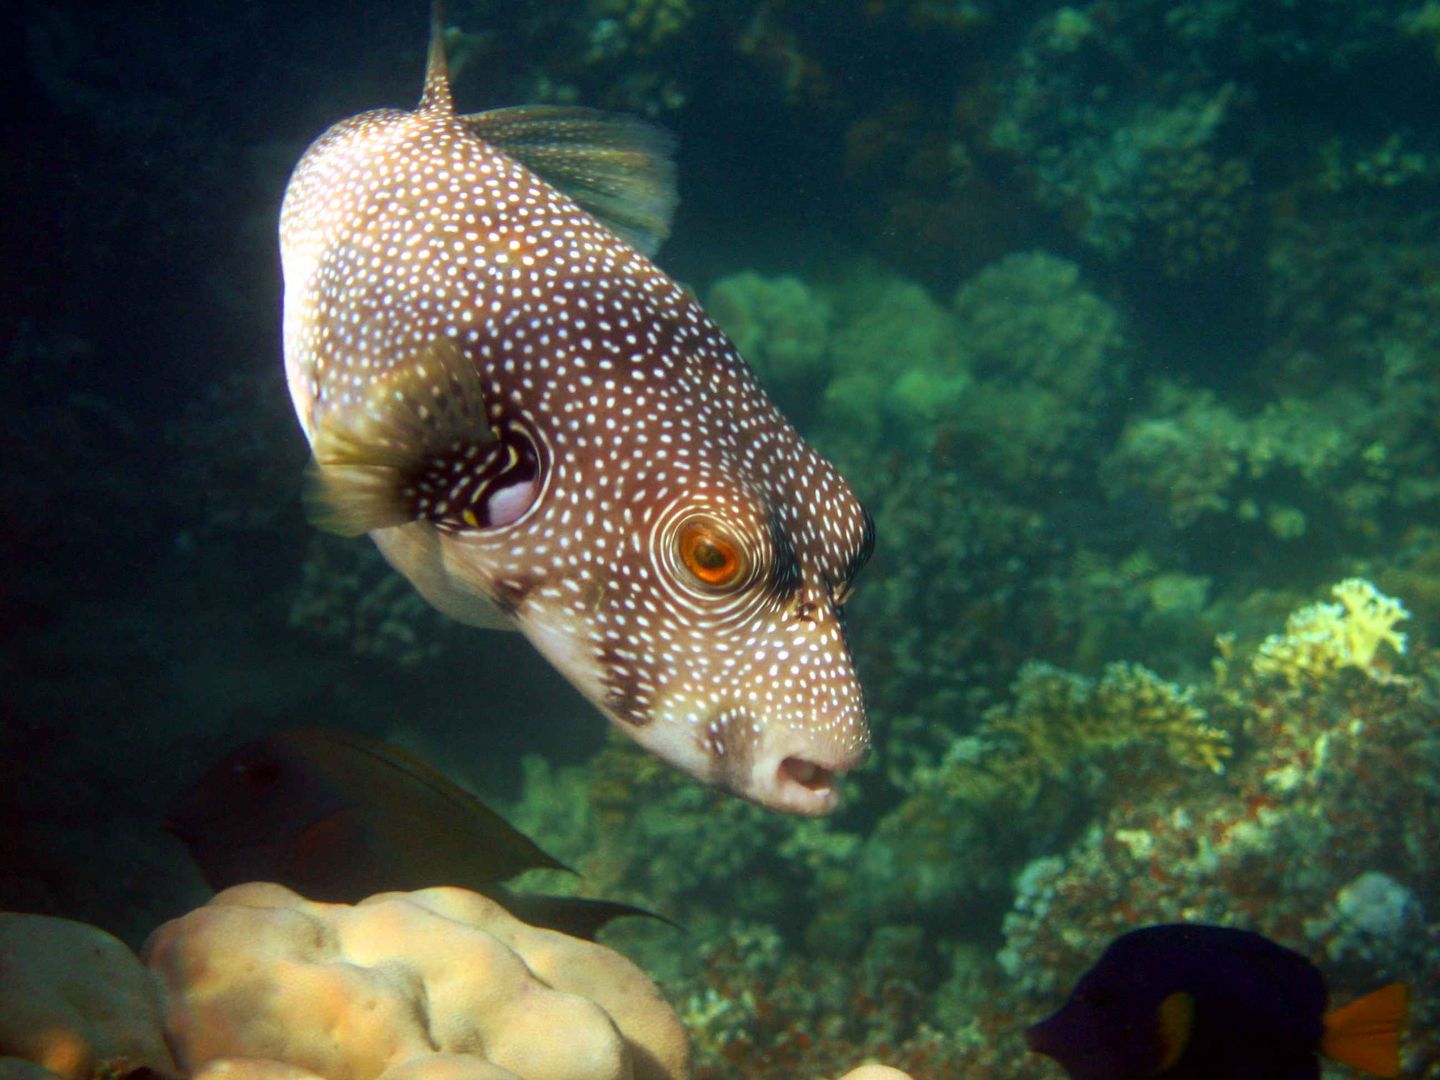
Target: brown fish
338,816
542,430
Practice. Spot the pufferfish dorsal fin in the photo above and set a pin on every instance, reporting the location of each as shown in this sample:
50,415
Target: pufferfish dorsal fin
436,97
619,168
370,461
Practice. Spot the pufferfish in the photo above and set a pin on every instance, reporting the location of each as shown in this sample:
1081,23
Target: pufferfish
541,430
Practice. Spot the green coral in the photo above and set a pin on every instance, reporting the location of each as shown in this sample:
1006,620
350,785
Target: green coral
1198,206
1423,24
1044,349
897,366
1196,456
1013,380
646,25
780,326
1185,455
1124,172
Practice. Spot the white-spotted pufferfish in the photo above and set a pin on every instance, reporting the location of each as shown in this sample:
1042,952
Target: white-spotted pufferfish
540,429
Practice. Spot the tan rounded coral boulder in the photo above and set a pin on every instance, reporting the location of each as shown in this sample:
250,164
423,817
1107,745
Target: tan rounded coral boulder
75,1001
441,981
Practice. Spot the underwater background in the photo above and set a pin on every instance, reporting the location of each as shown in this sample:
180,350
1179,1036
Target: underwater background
1123,318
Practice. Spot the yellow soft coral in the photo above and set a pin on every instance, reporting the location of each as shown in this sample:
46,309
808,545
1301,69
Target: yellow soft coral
1321,639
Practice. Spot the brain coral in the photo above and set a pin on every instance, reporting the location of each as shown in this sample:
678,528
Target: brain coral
403,983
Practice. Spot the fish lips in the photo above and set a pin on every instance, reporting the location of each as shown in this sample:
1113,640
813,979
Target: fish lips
799,783
790,770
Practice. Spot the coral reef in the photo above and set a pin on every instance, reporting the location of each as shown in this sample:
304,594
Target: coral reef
1124,171
1328,782
1121,317
1015,782
1076,809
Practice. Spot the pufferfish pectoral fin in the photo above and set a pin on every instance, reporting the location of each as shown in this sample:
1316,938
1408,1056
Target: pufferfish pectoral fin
369,454
619,168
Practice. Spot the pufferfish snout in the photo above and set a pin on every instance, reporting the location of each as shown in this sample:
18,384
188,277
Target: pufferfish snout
730,659
541,430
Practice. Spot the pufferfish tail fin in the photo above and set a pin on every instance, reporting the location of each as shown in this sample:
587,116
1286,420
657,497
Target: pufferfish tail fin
1366,1033
369,457
620,169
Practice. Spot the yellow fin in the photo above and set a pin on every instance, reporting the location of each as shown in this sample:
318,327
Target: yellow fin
351,500
366,453
1366,1033
1176,1020
619,168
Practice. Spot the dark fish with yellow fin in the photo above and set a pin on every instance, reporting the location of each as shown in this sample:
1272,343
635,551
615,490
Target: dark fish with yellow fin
1186,1001
541,430
338,817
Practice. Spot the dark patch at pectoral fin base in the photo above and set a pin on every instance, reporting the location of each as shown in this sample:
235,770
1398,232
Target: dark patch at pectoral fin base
618,168
368,454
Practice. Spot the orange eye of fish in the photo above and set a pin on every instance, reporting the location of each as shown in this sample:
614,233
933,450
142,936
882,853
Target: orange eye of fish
709,556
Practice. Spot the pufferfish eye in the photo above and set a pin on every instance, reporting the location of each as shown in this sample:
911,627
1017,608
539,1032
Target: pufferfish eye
709,555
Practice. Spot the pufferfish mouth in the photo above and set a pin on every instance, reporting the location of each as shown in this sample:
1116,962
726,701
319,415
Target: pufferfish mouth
789,770
797,783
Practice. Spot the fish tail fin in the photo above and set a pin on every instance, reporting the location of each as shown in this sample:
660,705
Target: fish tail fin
437,69
1366,1033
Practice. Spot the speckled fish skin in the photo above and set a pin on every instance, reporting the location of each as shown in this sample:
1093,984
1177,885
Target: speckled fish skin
627,420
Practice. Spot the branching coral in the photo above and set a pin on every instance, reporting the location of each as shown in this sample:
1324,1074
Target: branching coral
1323,834
965,825
1062,727
1321,639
